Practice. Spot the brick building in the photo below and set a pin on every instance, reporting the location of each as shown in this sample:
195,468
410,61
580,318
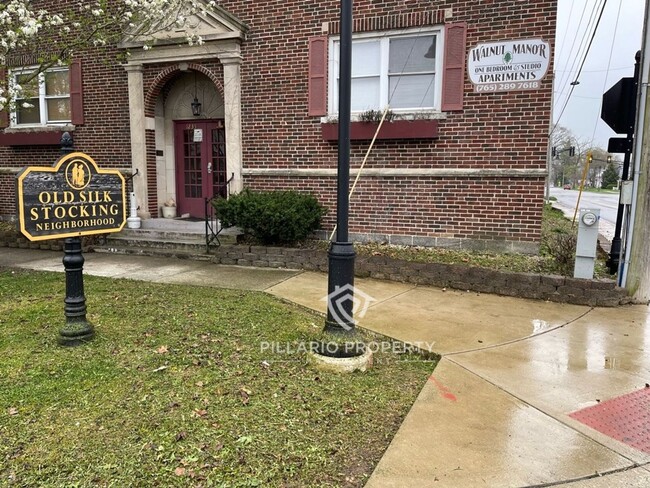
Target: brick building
463,164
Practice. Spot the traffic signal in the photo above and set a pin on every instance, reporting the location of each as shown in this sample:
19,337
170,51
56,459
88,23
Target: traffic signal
554,152
609,159
590,157
572,151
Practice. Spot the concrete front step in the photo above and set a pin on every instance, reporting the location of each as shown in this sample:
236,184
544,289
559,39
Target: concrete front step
170,242
160,241
156,234
226,235
194,255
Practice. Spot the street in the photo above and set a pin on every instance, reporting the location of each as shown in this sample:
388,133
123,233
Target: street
606,202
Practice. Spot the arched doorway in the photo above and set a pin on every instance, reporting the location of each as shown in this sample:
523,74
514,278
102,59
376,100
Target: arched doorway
193,165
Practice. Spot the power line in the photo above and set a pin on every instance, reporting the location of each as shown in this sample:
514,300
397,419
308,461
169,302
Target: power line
621,68
575,38
609,61
600,16
575,82
562,43
590,27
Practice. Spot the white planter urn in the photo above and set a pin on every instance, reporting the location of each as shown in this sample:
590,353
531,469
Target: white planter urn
168,212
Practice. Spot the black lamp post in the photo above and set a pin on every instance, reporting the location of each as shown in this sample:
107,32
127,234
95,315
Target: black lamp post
340,286
77,329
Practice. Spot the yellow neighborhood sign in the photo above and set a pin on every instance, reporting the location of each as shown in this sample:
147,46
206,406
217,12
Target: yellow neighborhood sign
71,199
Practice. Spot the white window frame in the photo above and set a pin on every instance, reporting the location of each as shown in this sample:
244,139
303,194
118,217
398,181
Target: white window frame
42,97
384,39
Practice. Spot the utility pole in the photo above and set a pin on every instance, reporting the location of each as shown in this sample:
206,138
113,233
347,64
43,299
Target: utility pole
549,155
636,273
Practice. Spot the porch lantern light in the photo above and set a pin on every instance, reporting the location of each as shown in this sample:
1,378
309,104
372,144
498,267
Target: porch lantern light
196,107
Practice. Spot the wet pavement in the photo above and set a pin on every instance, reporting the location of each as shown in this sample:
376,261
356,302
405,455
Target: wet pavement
497,411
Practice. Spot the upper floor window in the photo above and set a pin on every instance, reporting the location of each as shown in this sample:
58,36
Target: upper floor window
400,70
45,98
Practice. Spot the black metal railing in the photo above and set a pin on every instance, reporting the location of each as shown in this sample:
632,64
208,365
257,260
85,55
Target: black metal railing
212,225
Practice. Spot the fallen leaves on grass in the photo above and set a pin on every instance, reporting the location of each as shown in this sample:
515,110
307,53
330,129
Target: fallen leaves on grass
245,395
165,430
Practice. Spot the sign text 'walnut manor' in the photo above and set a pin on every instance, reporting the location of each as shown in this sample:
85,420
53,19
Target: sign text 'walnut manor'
72,199
509,65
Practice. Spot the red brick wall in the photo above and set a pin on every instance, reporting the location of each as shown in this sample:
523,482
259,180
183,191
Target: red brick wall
104,134
494,131
447,208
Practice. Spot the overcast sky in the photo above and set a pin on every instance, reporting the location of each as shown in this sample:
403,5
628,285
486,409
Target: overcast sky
582,113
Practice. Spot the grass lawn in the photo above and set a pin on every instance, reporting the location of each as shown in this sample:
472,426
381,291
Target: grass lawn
176,391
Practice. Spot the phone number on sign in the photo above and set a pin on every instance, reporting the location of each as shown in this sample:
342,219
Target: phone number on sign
499,87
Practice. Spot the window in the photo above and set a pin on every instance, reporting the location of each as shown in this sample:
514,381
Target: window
45,98
396,70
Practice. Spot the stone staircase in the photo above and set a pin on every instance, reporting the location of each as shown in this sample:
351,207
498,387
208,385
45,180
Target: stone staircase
165,237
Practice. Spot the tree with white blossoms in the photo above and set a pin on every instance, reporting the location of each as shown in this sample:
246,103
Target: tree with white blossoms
73,26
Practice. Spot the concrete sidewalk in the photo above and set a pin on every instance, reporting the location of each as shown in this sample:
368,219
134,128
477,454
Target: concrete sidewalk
496,411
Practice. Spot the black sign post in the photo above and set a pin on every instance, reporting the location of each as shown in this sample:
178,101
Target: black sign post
619,112
77,329
73,198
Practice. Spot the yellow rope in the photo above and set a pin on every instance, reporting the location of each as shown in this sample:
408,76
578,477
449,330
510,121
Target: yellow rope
582,184
372,143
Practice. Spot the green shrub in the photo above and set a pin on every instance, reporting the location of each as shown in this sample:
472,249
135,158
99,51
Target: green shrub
276,217
558,240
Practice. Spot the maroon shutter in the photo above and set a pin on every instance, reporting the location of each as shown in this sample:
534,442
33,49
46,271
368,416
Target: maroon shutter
76,93
4,114
453,77
318,76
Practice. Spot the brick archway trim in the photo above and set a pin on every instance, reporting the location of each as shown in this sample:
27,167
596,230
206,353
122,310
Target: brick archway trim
165,75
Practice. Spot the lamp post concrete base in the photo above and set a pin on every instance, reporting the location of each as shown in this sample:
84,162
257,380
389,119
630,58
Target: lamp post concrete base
347,364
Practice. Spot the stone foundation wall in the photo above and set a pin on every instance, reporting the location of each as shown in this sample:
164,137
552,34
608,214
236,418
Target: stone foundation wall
561,289
10,239
597,292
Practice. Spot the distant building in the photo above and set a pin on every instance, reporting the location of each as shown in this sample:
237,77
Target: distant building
462,164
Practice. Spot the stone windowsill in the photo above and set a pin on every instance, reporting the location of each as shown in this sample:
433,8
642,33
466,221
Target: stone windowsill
396,129
34,136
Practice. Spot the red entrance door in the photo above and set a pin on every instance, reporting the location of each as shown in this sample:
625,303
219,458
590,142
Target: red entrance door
200,164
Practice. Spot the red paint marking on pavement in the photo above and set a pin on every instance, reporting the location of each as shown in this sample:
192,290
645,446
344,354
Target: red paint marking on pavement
444,391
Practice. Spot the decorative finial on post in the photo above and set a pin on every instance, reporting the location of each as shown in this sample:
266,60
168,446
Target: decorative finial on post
67,143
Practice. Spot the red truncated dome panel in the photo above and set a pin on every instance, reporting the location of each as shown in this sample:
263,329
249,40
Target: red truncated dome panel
625,418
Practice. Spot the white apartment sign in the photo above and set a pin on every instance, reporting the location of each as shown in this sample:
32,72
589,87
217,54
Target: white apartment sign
509,65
